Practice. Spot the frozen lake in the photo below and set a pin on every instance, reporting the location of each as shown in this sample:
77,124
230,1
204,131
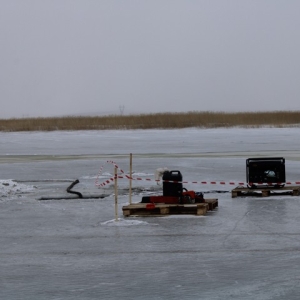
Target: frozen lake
249,248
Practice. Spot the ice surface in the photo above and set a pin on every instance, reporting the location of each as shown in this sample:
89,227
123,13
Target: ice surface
75,249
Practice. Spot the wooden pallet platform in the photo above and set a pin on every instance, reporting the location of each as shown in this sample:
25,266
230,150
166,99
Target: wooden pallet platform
265,191
212,203
161,209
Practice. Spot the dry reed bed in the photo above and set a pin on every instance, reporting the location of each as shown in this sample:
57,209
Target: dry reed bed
159,120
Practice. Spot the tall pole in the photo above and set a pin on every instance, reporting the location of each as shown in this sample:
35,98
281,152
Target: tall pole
130,180
116,195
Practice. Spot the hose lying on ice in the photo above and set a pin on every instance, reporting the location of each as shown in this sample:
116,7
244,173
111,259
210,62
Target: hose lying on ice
69,189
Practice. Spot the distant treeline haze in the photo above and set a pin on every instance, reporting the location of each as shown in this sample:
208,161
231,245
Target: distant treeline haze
158,121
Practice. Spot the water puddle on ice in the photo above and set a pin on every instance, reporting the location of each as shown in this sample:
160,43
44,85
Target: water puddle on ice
122,222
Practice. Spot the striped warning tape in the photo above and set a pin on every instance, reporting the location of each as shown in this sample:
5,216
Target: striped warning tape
110,180
215,182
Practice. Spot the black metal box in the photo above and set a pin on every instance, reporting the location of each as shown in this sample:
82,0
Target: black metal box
172,183
268,170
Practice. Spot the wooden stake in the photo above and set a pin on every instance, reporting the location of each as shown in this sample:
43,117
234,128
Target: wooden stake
130,180
116,195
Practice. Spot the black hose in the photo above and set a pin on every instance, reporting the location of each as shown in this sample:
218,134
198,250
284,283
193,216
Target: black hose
73,192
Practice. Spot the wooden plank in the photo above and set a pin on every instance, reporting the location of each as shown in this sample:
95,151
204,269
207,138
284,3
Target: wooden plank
164,210
296,192
126,212
202,210
265,191
212,203
141,209
234,194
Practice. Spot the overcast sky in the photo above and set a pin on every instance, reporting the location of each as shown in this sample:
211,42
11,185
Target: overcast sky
72,57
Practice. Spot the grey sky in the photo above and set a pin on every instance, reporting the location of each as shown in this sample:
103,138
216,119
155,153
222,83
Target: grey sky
70,57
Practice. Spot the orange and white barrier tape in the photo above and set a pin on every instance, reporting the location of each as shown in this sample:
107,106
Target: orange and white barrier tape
110,180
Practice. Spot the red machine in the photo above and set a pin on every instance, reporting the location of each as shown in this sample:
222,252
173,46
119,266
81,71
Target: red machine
173,192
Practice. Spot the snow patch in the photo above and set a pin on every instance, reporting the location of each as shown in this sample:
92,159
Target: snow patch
140,174
10,188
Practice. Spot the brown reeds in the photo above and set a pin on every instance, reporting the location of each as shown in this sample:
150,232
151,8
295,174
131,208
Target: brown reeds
159,120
